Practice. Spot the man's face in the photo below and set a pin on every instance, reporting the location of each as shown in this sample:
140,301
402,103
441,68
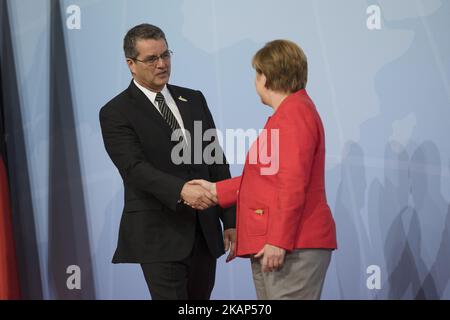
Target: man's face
153,76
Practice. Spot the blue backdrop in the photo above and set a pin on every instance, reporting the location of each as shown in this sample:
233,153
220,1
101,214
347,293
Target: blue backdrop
383,92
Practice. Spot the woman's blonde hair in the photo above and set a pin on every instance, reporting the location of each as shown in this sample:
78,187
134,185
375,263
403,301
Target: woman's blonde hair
284,64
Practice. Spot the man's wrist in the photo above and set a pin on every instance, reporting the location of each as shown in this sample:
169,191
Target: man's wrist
181,193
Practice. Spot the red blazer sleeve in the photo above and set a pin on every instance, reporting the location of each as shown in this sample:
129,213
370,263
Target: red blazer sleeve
227,191
298,137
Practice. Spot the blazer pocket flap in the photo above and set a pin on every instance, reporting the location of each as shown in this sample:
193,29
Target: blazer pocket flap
257,221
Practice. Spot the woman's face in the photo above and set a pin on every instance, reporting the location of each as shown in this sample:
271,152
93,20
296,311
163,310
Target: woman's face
260,83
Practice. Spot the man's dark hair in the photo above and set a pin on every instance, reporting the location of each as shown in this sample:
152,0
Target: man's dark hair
139,32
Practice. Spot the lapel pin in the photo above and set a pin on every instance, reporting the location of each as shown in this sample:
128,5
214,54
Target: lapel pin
182,99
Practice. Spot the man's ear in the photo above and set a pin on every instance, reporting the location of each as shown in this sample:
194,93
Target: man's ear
131,65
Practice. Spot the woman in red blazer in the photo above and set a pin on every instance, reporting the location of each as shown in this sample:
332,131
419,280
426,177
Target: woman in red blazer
284,223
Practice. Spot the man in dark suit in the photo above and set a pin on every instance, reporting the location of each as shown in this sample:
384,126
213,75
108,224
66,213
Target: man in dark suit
176,245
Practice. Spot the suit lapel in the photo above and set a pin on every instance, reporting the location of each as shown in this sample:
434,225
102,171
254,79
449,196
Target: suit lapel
142,103
183,106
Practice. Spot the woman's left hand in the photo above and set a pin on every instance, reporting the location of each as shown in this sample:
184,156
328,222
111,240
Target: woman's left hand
271,257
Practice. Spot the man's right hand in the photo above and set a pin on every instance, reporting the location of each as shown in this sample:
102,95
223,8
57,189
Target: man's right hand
210,186
197,197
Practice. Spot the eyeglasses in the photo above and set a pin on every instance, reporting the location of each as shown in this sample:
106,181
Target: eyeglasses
153,60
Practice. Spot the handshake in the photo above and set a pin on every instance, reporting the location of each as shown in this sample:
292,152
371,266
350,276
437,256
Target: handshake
199,194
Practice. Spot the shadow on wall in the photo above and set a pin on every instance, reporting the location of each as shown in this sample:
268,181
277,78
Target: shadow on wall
398,226
407,215
21,200
408,225
68,232
432,208
352,238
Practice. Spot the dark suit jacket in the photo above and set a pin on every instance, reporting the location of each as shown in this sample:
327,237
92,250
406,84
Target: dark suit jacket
154,226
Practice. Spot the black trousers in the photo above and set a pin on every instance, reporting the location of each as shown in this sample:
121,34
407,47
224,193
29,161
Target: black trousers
190,279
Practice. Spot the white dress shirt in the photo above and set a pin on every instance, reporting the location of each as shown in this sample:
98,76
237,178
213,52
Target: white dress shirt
169,100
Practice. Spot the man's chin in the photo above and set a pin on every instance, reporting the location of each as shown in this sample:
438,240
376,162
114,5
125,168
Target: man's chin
162,80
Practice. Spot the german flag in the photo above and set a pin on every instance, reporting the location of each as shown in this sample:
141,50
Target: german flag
9,280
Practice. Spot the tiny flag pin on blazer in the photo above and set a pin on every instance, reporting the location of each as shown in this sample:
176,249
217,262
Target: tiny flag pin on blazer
182,99
259,212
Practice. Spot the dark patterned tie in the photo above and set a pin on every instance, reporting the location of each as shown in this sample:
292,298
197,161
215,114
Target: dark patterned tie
166,113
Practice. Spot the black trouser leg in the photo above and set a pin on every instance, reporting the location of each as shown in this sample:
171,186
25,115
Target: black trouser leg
192,278
202,271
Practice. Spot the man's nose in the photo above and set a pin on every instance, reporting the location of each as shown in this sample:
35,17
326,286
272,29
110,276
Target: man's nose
160,63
